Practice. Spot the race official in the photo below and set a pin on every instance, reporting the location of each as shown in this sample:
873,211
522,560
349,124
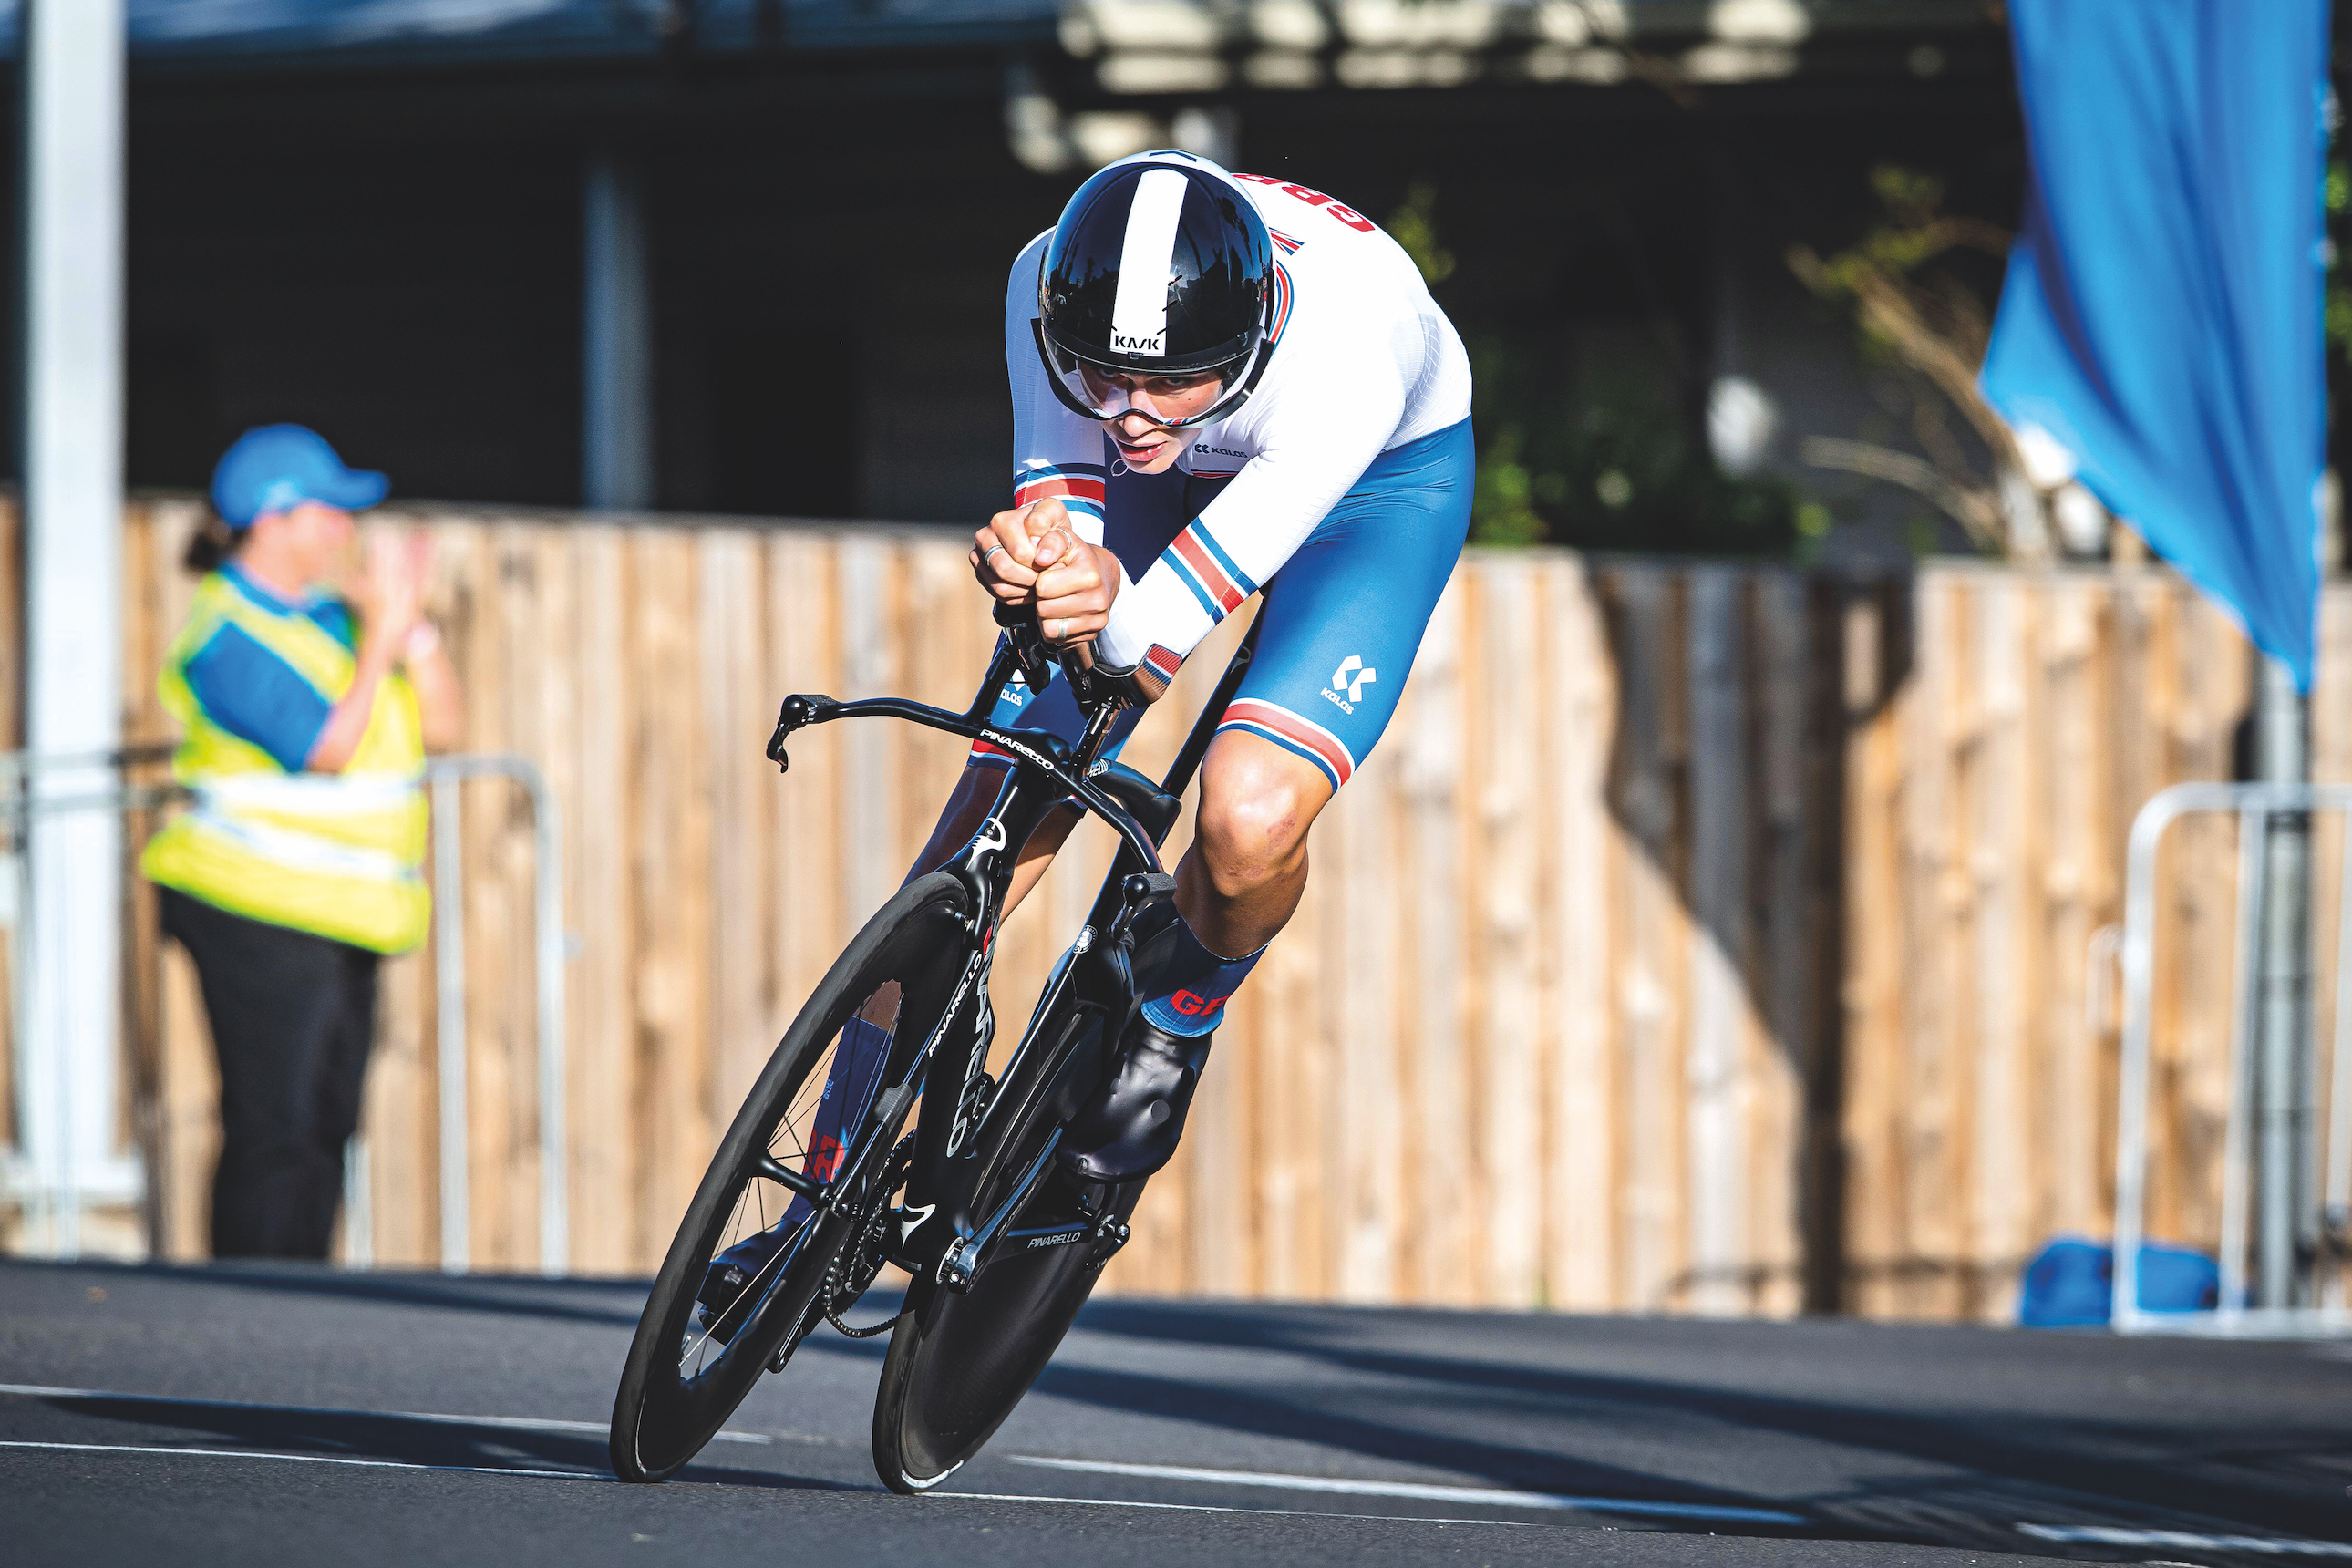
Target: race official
305,714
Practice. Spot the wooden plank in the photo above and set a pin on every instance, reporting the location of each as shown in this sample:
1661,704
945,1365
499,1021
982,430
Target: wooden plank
1501,884
739,709
872,860
1366,992
2005,819
612,1228
1651,978
2081,855
189,1112
1930,1119
1875,660
1579,717
672,843
1441,1213
807,867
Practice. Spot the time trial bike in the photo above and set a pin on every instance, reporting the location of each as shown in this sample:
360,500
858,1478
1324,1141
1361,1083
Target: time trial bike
1001,1245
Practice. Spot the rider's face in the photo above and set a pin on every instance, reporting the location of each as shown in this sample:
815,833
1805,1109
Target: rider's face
1145,446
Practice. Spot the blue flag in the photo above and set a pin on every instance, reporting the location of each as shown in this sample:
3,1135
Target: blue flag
2161,318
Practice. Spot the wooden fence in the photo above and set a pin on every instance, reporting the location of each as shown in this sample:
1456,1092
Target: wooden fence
1701,937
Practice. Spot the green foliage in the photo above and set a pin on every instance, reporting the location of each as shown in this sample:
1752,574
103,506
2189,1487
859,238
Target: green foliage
1608,462
1414,227
1605,459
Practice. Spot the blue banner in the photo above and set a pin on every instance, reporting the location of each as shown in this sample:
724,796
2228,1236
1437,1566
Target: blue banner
2161,317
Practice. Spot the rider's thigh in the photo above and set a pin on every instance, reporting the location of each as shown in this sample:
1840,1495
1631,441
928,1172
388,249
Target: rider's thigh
1344,617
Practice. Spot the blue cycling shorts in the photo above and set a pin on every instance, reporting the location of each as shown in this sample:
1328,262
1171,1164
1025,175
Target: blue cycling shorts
1341,620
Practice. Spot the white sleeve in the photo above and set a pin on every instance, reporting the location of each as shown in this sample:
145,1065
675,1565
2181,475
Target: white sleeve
1054,452
1315,446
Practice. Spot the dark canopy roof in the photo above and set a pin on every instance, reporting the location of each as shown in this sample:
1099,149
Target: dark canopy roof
245,33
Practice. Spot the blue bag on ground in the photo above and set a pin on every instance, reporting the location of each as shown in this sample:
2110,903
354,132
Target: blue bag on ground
2070,1283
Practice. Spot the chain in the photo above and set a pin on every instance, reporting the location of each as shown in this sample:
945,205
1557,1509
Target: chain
863,1244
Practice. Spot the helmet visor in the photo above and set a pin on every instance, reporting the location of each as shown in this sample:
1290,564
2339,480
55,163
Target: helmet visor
1171,400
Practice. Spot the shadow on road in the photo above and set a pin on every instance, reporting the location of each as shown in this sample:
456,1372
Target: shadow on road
607,1303
1953,1477
380,1435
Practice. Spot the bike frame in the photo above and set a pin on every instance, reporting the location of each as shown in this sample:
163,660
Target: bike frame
940,1238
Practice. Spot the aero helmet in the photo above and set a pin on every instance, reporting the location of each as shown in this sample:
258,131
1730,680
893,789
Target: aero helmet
1161,265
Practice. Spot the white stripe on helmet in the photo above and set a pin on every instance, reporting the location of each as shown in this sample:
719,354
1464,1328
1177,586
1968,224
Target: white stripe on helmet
1139,315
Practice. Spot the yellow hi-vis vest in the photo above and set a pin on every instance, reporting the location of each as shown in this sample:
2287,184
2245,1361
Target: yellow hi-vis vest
337,855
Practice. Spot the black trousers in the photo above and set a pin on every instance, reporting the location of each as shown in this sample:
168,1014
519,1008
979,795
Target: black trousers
292,1018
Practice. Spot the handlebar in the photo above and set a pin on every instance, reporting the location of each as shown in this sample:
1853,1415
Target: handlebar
1049,754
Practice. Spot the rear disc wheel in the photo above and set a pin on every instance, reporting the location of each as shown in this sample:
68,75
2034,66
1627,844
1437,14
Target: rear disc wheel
959,1363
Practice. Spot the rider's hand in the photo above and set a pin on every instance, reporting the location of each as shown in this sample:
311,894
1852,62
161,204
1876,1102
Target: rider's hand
1075,584
1002,553
1031,555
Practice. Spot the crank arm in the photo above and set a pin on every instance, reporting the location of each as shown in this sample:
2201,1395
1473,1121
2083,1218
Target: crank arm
961,1266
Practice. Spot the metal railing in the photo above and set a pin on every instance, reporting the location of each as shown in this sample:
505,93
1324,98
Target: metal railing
19,803
2255,806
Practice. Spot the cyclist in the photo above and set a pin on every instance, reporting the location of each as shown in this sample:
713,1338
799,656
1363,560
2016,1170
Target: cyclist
1223,385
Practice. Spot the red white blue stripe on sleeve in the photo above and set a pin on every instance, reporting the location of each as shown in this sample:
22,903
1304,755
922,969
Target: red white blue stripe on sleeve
1292,733
1203,566
1156,669
1078,485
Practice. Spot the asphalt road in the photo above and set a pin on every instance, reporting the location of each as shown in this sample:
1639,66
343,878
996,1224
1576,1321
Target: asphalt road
283,1415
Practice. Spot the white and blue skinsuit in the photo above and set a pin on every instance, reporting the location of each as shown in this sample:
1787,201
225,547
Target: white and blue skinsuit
1340,491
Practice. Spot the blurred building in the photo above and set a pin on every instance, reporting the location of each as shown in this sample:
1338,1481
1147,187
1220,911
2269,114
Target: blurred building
758,246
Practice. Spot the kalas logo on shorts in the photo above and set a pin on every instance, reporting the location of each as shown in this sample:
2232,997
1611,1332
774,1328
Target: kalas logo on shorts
1193,1005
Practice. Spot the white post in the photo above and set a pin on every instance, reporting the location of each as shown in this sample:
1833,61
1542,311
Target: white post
73,500
616,393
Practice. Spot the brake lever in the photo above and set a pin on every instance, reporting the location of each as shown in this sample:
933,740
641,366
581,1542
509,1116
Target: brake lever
800,710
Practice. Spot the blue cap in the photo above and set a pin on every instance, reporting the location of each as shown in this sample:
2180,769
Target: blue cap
275,468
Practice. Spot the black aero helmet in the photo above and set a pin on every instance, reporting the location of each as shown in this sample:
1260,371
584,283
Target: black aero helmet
1161,265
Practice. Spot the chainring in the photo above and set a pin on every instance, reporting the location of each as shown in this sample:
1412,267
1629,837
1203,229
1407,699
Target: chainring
860,1257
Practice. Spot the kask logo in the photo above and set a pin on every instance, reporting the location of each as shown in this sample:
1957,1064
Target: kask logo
1137,342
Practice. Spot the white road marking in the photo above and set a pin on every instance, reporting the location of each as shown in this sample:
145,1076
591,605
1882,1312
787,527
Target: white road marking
305,1459
2260,1546
1217,1507
1489,1497
523,1423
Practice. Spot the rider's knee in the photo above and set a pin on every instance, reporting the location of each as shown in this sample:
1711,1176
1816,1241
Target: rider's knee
1252,822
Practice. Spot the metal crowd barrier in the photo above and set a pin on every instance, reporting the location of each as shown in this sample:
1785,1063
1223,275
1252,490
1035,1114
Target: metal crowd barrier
2255,806
444,776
